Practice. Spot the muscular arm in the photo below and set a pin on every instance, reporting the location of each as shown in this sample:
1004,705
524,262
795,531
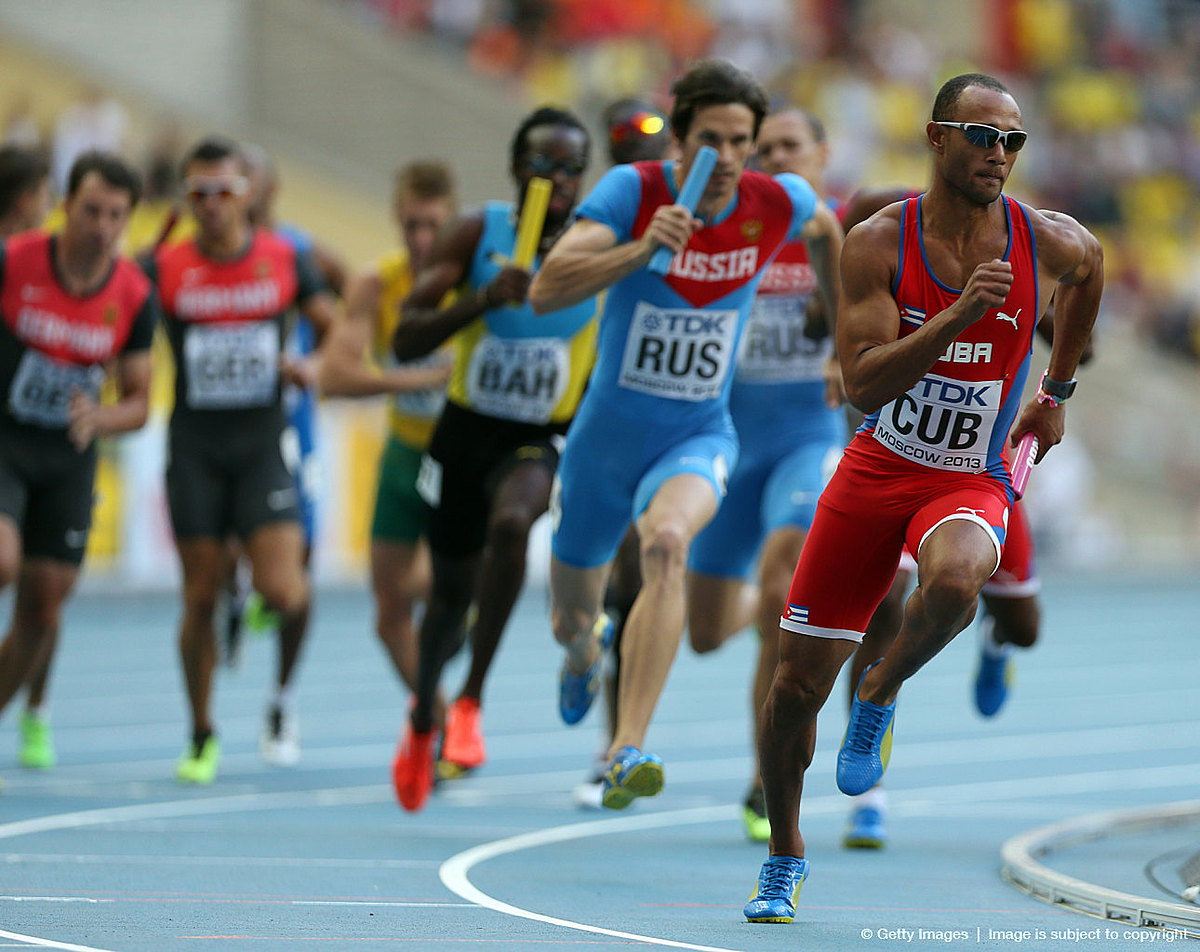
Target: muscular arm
587,259
425,325
1069,251
345,370
877,364
823,236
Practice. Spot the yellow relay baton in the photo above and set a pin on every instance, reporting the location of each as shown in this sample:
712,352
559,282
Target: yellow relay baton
533,217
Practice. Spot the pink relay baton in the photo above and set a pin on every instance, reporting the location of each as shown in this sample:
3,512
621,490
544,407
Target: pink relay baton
689,197
1027,450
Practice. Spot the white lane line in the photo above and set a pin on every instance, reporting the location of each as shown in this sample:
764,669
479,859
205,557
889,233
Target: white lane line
126,859
200,806
455,869
455,872
49,943
52,899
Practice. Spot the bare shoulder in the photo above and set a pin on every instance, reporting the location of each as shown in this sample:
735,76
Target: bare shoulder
1063,244
867,201
878,236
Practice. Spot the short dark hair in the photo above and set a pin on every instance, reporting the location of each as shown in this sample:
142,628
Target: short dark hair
425,180
546,116
815,126
715,82
109,166
214,149
21,169
952,90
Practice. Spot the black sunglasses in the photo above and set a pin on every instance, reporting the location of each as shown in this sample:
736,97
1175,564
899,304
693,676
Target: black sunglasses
545,166
986,137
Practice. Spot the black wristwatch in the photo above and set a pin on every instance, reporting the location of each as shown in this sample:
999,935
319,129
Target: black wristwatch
1059,389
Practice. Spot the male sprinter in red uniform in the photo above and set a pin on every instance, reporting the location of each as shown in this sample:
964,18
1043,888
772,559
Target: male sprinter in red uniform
226,294
939,372
69,307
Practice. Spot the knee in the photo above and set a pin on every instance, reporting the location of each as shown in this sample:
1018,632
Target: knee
392,609
508,532
450,592
285,593
200,601
1021,630
798,691
704,635
949,596
664,550
571,623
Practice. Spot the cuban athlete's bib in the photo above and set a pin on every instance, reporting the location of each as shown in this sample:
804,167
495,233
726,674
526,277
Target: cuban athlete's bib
943,423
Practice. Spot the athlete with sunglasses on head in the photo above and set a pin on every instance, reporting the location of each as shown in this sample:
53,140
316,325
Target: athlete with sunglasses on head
941,297
514,386
227,294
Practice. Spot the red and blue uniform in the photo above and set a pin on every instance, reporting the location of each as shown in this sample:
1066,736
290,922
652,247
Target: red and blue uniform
932,454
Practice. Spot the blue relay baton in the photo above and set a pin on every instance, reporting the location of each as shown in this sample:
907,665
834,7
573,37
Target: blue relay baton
689,198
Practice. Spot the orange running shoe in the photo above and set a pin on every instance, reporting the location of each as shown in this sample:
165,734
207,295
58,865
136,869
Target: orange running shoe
412,768
463,746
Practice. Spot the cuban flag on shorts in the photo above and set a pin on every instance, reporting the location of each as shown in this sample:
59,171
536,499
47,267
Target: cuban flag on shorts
796,613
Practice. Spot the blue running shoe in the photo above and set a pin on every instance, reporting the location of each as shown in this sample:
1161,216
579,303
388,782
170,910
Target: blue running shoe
992,681
774,896
867,746
631,774
866,830
576,692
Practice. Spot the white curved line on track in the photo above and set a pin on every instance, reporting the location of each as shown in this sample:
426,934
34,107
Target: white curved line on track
48,943
455,872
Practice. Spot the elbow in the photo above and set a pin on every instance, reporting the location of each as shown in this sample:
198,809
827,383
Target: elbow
404,347
860,397
139,413
330,382
539,300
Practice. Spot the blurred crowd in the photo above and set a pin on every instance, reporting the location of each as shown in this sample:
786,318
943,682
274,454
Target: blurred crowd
1111,90
97,120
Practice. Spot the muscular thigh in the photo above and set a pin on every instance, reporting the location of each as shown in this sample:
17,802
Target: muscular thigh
467,464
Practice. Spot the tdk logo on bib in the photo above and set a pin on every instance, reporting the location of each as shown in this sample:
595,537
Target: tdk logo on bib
943,423
678,353
521,380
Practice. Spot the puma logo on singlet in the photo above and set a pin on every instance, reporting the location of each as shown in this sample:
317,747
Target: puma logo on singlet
1001,316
